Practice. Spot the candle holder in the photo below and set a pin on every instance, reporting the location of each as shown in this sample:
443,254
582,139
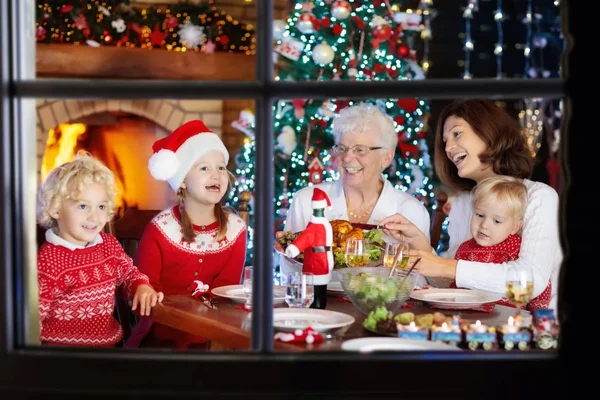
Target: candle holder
447,333
480,335
513,333
412,331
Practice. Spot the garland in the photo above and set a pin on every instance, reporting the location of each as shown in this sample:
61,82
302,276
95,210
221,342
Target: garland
179,27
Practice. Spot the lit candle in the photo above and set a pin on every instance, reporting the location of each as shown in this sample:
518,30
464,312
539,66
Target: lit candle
411,328
510,327
444,328
478,327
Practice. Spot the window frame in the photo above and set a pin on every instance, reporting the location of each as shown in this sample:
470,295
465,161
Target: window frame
35,367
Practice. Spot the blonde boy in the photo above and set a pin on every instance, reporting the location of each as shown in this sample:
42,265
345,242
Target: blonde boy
79,266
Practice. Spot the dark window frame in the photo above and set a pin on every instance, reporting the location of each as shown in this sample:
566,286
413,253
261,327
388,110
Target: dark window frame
35,369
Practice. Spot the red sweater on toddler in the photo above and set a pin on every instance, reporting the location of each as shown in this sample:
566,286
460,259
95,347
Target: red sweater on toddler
500,253
77,289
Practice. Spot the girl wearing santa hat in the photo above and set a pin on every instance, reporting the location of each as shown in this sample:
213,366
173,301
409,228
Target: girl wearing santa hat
196,245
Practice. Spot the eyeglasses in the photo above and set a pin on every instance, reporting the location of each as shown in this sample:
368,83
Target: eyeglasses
359,149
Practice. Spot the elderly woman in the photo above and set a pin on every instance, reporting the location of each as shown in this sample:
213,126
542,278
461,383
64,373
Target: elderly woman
365,142
475,140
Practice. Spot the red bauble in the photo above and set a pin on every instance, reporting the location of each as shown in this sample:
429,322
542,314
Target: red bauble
408,105
403,50
337,29
382,32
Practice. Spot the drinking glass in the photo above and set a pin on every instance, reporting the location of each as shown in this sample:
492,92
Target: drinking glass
247,286
357,252
519,285
393,248
299,291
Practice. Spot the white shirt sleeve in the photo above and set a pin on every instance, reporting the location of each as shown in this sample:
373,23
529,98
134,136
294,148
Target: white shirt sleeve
460,220
540,248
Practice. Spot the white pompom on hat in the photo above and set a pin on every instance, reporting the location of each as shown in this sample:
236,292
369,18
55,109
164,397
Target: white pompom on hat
320,199
175,154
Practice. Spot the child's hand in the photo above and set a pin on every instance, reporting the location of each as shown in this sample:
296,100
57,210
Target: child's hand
147,298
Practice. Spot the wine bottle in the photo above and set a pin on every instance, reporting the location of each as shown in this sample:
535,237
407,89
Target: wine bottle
320,300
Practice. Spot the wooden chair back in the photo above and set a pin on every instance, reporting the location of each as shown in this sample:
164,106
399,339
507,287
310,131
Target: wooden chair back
245,198
437,219
128,230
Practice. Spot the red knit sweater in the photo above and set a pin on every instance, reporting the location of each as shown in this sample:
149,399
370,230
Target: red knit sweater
172,264
77,292
503,252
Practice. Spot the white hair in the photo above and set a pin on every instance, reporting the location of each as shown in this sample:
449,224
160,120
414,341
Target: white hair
365,118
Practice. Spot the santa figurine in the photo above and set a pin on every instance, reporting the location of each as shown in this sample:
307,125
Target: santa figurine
316,241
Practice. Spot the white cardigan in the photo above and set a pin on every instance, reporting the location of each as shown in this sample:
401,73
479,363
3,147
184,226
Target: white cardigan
540,246
390,201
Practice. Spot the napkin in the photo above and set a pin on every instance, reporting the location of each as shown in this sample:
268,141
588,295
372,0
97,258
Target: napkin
307,335
489,307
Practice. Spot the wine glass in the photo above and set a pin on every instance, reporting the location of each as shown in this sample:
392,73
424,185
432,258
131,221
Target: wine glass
247,286
393,248
519,286
357,252
299,291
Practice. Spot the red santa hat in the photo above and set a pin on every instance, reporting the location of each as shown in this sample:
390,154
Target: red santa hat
175,154
320,199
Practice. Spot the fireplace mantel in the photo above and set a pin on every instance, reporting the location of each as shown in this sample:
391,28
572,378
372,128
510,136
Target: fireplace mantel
108,62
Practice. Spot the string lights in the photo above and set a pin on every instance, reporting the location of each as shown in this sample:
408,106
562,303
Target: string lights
498,49
472,6
424,9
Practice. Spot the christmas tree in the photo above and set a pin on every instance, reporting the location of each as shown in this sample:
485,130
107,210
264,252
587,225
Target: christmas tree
342,40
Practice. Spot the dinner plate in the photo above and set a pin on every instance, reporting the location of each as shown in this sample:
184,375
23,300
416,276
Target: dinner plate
290,319
368,345
455,298
236,293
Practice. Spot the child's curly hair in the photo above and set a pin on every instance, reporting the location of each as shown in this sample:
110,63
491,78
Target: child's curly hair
69,180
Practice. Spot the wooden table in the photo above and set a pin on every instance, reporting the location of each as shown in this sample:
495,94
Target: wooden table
230,327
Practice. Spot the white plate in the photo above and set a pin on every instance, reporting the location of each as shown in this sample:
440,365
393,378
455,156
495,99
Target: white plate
455,298
236,293
290,319
367,345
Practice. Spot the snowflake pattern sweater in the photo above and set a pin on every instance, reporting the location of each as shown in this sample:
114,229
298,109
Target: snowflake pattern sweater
500,253
77,287
172,264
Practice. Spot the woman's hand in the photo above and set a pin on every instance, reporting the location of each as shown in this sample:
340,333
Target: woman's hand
403,230
276,245
432,265
147,298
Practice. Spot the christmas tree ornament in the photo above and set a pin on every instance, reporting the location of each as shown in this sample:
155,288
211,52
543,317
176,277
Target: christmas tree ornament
286,141
278,29
315,170
191,36
341,10
323,54
245,123
380,28
316,241
209,47
306,23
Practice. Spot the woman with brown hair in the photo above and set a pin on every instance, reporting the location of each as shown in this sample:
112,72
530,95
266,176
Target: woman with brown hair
197,244
475,140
